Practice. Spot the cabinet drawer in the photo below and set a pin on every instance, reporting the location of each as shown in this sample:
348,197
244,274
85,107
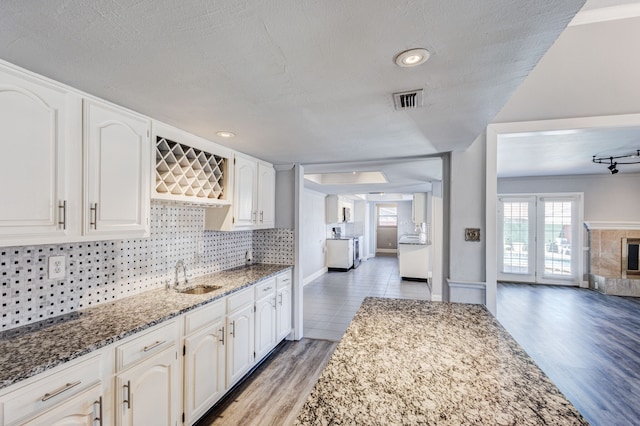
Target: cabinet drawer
145,345
265,288
203,316
284,279
239,299
51,390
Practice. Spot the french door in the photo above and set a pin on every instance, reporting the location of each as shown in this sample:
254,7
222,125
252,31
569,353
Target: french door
539,238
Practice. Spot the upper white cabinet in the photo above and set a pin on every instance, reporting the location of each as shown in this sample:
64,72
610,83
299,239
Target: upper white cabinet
116,148
338,210
39,158
420,208
245,201
254,194
266,195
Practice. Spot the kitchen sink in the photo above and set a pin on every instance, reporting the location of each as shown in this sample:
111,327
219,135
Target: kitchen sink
200,289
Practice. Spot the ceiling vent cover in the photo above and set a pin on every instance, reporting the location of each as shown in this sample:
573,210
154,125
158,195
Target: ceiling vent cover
408,100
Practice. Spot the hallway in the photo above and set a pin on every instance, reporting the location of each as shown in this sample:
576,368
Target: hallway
331,301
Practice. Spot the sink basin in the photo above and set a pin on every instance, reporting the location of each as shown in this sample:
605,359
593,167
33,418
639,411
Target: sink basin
200,289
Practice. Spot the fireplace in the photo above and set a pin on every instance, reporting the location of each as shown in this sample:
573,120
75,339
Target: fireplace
630,257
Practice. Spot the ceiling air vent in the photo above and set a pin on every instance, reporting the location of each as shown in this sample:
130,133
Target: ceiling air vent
406,100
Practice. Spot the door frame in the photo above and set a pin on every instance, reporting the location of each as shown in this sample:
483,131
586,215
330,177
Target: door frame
494,132
375,213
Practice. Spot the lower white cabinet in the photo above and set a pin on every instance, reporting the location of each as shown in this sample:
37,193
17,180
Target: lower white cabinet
240,330
149,393
265,338
204,361
69,391
141,380
85,409
283,306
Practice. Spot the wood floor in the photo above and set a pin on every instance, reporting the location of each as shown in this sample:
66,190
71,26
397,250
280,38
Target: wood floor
276,391
586,342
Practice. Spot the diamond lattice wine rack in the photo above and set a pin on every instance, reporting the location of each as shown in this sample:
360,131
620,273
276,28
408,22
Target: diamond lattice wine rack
187,173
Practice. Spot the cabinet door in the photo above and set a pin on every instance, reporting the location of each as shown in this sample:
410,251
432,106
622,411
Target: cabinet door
265,325
240,355
35,169
244,201
204,377
148,394
266,196
117,156
283,312
85,409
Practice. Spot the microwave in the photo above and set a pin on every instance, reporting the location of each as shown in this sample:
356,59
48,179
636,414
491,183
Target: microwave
346,214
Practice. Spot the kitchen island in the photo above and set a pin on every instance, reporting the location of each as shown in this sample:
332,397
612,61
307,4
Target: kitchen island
416,362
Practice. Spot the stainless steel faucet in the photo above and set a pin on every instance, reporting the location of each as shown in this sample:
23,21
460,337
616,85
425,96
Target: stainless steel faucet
184,270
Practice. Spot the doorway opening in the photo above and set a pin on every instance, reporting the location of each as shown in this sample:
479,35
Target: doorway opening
386,228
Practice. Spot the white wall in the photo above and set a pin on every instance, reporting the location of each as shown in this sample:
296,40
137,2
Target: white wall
285,195
591,70
314,230
607,198
467,210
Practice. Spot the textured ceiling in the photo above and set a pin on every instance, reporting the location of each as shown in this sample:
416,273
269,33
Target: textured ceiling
297,81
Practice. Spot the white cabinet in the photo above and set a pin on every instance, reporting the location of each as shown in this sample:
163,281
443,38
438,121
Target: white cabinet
266,196
254,194
149,392
73,392
240,331
85,409
265,316
283,305
338,209
39,165
420,208
340,253
117,157
204,360
245,192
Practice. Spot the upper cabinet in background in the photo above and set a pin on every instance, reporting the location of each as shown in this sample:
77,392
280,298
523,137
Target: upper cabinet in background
420,207
338,210
116,149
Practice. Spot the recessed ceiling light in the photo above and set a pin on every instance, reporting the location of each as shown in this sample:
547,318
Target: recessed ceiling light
225,134
412,57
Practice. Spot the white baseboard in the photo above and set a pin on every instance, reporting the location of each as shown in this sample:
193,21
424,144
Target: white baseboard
315,275
467,291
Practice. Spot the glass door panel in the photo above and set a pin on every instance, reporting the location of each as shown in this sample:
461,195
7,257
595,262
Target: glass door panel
517,238
557,234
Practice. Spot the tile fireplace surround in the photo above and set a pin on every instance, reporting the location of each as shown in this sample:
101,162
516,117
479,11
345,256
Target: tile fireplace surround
606,259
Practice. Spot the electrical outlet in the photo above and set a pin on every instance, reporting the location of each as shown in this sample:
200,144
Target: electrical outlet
56,267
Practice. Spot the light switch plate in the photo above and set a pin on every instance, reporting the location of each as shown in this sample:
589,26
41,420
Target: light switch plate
56,267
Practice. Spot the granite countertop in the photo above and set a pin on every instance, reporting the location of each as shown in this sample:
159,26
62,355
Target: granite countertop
26,352
417,362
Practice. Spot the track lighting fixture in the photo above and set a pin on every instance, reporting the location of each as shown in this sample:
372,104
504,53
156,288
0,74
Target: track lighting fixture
620,159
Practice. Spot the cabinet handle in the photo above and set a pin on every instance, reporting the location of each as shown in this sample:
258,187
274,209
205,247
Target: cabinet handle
58,391
153,345
94,211
267,289
63,214
127,400
253,216
222,335
99,417
232,331
274,303
280,299
261,216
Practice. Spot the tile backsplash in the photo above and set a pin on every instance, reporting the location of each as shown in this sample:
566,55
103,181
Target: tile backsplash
98,272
